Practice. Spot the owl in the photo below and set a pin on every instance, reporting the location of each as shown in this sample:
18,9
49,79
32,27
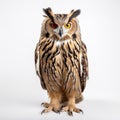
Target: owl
61,61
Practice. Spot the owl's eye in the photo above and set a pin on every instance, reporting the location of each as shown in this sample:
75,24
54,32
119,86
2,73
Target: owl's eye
53,25
67,25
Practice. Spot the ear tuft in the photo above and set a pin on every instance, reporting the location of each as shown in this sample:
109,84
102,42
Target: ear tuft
45,16
72,11
48,12
74,14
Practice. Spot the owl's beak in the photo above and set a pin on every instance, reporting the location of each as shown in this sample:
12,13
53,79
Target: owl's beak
60,31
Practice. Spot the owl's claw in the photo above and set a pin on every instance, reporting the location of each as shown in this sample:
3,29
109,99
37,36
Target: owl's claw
56,111
71,109
46,105
77,110
47,110
43,112
70,113
50,107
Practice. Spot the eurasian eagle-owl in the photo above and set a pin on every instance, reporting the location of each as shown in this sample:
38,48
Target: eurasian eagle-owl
61,61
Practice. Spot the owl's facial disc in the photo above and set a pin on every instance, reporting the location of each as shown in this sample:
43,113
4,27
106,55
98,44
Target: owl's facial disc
61,31
56,29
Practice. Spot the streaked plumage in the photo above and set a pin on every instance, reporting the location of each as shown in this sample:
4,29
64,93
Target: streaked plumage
61,61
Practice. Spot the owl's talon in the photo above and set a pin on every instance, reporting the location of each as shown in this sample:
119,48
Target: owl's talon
56,111
81,111
47,110
51,107
42,104
46,105
71,109
43,112
70,113
77,110
61,108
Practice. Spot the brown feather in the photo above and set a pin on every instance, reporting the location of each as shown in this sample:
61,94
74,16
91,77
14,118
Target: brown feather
61,62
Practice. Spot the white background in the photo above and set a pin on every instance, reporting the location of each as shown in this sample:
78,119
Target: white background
20,90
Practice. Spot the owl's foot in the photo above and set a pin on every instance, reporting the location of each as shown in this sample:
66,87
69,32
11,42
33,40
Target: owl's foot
45,104
70,109
51,107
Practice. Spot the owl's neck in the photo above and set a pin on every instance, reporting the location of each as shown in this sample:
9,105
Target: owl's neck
54,37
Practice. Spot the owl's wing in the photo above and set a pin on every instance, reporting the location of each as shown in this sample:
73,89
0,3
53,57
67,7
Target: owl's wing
38,65
84,66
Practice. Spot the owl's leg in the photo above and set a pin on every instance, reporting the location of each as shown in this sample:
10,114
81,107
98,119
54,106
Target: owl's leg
70,107
54,104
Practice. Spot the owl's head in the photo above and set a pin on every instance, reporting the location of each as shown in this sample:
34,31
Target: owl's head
61,26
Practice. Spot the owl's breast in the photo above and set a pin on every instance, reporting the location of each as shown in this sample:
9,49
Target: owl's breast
58,61
60,43
56,49
51,49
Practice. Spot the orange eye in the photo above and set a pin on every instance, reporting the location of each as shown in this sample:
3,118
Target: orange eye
67,25
53,25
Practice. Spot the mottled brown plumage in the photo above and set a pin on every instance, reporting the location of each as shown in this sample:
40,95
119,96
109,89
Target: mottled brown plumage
61,61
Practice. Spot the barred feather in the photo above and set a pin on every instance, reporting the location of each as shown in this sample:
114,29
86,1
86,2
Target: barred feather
62,63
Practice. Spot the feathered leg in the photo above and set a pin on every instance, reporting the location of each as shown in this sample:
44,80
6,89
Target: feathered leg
54,104
71,107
